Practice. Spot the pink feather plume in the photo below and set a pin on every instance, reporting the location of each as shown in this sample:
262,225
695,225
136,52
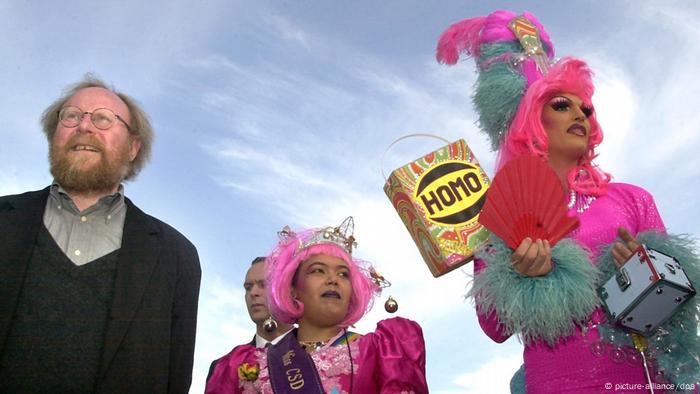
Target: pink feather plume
460,37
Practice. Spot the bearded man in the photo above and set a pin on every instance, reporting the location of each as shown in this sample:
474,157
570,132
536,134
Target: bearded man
96,296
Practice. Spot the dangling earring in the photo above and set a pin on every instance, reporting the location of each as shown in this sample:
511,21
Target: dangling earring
391,305
270,324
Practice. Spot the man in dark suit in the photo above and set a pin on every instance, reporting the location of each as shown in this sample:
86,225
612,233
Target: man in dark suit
267,329
96,295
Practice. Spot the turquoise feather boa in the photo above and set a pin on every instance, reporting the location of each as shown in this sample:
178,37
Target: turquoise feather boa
544,308
675,346
517,382
548,308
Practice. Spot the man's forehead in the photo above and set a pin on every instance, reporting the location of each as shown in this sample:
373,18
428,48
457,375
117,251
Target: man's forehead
94,97
255,273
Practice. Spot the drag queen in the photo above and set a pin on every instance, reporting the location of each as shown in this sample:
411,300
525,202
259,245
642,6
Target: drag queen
530,105
315,281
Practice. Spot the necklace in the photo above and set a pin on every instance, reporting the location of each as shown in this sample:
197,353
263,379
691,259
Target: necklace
580,201
312,346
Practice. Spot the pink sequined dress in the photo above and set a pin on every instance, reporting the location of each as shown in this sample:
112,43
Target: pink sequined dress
389,360
582,363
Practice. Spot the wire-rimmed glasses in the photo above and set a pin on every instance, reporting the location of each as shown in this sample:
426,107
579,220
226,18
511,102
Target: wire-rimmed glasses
102,118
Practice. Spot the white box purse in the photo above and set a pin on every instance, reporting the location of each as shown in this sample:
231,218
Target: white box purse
646,290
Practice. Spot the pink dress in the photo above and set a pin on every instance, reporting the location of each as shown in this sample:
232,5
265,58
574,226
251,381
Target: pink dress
582,363
389,360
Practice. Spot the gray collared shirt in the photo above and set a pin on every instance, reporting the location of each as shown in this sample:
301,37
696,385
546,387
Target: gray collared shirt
87,235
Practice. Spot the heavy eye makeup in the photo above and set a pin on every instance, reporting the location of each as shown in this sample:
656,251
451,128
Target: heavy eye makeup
561,104
587,111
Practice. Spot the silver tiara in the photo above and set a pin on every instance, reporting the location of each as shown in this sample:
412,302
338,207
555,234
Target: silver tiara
341,235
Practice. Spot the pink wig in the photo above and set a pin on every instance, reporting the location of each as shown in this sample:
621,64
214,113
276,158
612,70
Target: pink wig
283,264
527,136
512,90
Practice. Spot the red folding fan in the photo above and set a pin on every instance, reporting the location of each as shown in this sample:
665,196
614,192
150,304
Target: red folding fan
526,199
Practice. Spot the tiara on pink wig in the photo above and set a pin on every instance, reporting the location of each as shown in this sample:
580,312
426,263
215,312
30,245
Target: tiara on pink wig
296,247
514,57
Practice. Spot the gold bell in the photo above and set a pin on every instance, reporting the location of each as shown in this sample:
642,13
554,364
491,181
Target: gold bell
391,305
270,325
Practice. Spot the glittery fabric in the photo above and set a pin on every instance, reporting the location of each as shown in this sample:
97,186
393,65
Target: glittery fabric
582,363
389,360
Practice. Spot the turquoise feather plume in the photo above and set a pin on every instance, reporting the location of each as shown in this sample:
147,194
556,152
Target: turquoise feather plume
544,308
499,89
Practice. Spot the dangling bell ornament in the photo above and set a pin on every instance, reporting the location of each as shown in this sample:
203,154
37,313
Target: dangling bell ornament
270,325
391,305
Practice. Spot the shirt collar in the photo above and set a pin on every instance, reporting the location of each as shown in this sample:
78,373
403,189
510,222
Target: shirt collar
109,203
260,342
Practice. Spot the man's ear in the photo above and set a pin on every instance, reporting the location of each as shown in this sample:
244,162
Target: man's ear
134,147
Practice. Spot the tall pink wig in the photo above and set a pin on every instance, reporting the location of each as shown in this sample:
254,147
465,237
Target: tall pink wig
505,70
527,136
511,91
283,264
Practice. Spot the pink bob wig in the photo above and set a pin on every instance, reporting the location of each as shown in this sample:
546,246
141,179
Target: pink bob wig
527,136
283,264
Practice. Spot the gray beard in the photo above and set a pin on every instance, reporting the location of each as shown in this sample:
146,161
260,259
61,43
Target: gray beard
101,178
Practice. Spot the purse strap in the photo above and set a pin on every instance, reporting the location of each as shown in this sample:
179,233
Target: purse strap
381,161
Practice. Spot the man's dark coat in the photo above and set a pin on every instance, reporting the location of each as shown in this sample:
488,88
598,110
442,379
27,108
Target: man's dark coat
149,343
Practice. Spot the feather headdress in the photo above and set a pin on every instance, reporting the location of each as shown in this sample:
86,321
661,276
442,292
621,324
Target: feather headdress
511,52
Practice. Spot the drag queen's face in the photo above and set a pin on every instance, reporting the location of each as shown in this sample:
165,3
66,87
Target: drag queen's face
565,119
323,285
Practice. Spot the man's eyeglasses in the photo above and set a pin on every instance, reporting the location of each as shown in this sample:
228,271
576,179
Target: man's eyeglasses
102,118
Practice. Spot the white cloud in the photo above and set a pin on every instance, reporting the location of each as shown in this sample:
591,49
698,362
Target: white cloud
492,377
673,124
222,323
287,30
616,108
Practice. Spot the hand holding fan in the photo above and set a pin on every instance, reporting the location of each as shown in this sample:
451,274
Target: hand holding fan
526,199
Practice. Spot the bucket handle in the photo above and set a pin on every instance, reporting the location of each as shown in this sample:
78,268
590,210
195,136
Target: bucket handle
381,161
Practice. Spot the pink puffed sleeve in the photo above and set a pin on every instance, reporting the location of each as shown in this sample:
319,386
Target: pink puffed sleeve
224,378
393,357
640,206
649,218
488,322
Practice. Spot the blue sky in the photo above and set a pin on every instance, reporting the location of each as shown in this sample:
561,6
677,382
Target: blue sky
277,112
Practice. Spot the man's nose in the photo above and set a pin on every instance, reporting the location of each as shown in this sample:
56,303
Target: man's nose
257,291
85,125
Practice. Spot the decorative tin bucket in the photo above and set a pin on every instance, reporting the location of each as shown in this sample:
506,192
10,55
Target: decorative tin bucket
439,197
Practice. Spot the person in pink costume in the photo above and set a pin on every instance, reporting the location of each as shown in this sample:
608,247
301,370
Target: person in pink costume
530,105
315,282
